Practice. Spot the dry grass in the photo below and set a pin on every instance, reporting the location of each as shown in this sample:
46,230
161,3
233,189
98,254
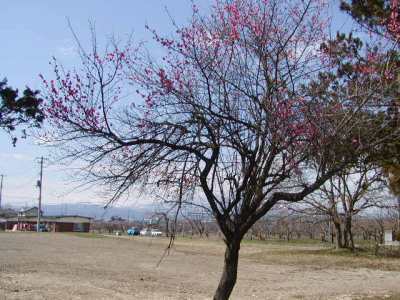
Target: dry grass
325,259
310,253
89,266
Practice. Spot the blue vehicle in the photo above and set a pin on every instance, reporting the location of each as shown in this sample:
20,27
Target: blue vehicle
133,231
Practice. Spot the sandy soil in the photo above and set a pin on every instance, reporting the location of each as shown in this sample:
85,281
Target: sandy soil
64,266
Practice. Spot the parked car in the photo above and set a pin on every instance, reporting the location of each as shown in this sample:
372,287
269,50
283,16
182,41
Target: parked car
133,231
155,232
144,231
150,232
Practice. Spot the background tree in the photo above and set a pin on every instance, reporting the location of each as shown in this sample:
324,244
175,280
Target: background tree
381,18
225,113
18,110
344,196
198,219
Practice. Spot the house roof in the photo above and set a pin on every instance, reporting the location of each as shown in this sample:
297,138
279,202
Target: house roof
52,219
7,212
71,219
31,210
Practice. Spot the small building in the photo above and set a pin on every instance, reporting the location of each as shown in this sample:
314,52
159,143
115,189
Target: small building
51,223
70,224
390,238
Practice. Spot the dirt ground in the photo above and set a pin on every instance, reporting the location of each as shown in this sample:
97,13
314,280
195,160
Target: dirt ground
67,266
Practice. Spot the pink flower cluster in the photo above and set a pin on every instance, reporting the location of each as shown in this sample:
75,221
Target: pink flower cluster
292,128
394,20
73,98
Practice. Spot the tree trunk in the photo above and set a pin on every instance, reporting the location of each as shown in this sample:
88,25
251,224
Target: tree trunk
166,219
350,241
352,246
338,241
229,273
345,236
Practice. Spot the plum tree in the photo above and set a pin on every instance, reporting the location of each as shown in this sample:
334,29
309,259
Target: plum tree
232,111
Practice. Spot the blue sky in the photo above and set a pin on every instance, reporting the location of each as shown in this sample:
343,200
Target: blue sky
34,31
37,30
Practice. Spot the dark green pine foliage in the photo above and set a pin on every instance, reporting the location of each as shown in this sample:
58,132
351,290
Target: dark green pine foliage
374,16
19,110
371,14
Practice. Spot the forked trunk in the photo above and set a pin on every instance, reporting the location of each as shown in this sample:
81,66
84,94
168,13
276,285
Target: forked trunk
229,273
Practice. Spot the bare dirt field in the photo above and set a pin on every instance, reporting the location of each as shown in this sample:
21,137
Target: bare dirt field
68,266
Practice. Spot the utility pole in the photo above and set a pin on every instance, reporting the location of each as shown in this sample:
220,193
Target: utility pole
398,212
39,184
1,189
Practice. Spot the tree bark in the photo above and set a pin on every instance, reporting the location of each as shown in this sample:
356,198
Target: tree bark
345,237
167,227
338,241
229,273
350,240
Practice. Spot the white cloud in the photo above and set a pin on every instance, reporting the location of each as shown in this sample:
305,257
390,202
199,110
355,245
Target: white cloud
15,156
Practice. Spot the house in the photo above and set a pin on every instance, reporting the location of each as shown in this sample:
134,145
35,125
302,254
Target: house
69,223
27,221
